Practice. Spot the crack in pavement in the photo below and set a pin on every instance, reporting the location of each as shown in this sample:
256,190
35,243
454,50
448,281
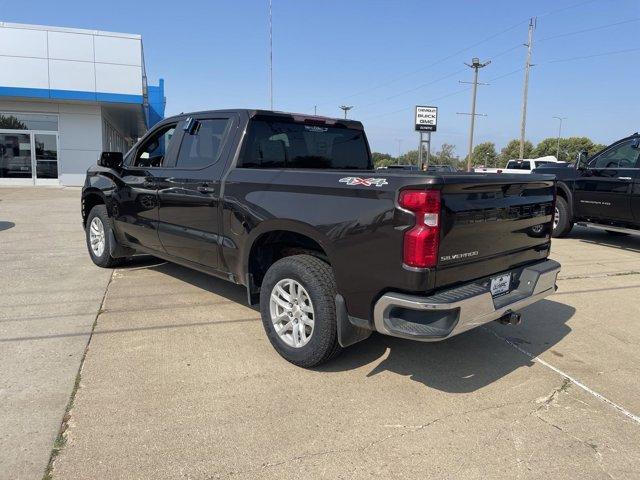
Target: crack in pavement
568,377
411,429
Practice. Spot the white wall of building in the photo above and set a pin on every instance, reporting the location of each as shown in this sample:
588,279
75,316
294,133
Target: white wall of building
62,59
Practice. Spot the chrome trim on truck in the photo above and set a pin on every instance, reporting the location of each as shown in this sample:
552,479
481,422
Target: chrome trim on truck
456,310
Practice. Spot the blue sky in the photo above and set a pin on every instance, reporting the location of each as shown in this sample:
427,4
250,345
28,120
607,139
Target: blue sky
384,57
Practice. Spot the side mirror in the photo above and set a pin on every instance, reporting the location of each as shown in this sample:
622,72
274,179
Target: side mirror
111,159
581,160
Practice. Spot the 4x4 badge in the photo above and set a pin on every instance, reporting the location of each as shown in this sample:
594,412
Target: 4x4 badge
366,182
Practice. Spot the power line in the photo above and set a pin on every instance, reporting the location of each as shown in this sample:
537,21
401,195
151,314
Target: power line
452,74
463,50
604,54
446,95
568,7
437,62
592,29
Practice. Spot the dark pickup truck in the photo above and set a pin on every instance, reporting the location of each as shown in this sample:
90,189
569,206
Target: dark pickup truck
601,192
290,207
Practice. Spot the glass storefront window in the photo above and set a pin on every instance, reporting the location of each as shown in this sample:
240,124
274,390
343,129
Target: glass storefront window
28,121
15,155
46,155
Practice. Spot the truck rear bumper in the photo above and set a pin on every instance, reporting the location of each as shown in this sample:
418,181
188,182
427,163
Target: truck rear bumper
456,310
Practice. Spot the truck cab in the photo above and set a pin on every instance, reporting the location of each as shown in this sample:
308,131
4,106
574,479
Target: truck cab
602,191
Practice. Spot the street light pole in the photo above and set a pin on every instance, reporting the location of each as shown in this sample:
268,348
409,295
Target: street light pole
270,57
476,65
346,108
559,134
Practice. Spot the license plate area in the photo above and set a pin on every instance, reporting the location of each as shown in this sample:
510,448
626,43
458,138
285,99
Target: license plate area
500,284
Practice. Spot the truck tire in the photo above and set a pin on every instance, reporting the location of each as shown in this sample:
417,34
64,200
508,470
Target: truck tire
563,224
97,233
297,305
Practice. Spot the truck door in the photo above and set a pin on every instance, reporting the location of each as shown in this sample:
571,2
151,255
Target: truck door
189,191
135,200
635,192
603,191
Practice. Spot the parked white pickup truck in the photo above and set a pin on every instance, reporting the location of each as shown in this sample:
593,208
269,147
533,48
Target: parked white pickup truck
526,165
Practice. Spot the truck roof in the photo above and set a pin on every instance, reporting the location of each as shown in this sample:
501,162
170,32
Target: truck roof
274,113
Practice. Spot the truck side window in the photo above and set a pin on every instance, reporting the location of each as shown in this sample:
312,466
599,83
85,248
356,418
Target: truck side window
202,147
151,153
622,155
279,143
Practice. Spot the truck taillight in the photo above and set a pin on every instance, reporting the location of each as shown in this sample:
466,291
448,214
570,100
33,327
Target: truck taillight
421,242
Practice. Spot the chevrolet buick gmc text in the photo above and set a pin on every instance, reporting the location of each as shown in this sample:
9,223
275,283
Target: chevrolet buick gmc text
290,207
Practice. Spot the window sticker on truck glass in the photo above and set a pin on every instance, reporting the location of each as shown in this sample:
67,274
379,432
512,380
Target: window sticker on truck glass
365,182
312,128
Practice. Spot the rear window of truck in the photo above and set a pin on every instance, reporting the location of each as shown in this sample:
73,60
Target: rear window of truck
287,144
518,165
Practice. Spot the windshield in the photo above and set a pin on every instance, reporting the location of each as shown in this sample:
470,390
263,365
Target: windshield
278,143
519,165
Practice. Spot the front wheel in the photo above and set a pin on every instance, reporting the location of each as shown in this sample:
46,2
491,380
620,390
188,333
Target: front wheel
98,237
562,222
297,305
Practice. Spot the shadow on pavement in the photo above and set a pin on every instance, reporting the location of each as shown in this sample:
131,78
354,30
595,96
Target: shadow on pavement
223,288
630,243
463,364
469,361
6,225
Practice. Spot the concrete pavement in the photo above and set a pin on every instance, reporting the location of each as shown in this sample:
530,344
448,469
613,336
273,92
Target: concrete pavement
180,382
50,294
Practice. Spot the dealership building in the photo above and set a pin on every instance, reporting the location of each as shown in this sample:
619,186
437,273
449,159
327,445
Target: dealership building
67,94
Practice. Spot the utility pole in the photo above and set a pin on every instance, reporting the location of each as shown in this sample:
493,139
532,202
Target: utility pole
399,140
270,57
476,65
315,109
525,90
346,108
559,134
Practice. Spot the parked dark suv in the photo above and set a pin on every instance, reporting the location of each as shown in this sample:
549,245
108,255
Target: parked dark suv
602,191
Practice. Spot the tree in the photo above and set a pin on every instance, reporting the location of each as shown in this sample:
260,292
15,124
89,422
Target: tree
569,147
382,159
445,156
409,158
484,154
12,123
512,150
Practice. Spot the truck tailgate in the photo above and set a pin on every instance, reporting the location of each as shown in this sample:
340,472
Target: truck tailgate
492,223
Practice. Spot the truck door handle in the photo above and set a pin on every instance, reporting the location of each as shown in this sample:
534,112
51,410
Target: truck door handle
624,178
205,189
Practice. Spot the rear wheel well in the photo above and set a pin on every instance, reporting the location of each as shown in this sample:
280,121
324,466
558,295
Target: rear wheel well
88,202
562,193
272,246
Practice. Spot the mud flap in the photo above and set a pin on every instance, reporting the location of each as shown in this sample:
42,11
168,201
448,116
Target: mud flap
348,334
116,250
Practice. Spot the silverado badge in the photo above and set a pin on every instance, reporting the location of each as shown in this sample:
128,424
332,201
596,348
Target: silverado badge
366,182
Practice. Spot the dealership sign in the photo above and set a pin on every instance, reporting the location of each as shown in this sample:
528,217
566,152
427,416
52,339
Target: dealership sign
426,119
